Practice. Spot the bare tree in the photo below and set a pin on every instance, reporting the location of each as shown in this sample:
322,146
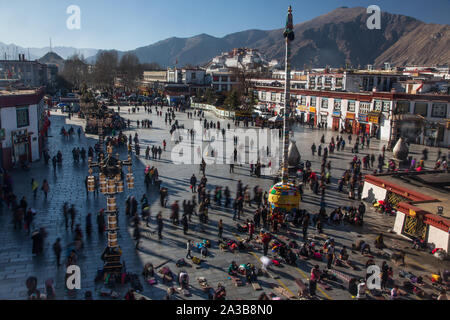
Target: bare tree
243,89
106,69
76,71
130,70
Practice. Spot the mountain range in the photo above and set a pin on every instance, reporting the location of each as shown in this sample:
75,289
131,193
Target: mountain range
334,39
12,52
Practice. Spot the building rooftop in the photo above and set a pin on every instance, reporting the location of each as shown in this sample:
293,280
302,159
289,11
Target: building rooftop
18,92
15,98
433,186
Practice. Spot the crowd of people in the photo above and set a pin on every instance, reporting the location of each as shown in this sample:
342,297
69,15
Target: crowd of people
249,208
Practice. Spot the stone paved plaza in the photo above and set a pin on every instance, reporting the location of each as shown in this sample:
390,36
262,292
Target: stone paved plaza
67,185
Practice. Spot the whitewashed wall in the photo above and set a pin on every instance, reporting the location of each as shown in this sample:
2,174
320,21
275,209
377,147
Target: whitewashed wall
399,220
9,123
374,191
385,128
439,237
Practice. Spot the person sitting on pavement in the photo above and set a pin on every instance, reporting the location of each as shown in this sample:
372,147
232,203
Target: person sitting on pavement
442,295
183,279
379,242
365,248
343,254
233,269
362,246
220,293
394,293
304,251
361,290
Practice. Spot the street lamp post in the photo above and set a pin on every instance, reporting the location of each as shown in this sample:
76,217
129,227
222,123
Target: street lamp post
111,183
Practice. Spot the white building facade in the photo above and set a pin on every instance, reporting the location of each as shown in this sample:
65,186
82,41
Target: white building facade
423,119
22,122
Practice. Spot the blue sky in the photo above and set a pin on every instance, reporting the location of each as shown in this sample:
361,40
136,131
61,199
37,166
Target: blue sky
125,25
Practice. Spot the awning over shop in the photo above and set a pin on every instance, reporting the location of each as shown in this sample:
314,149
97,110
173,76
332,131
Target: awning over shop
362,118
337,114
302,108
374,117
350,116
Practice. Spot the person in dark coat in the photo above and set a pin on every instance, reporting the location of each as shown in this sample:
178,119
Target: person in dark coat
88,224
101,221
137,235
38,241
28,219
185,223
160,223
57,250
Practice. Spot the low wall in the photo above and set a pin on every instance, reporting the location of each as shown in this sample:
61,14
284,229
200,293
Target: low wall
399,221
217,111
439,237
372,193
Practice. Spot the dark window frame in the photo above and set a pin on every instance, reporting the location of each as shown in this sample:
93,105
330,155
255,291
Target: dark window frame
422,113
19,117
433,110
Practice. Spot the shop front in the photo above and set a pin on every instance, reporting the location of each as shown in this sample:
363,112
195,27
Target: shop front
434,133
312,116
336,120
302,112
363,124
21,146
323,118
350,123
374,120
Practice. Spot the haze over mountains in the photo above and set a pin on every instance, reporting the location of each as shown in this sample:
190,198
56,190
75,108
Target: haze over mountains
12,51
332,39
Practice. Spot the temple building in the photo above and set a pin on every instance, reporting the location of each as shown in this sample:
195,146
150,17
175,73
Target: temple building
422,201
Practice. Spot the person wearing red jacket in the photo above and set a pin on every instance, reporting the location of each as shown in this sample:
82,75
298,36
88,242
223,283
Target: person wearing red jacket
251,229
266,237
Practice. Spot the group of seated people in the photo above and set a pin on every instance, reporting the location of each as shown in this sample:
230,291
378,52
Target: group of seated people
362,246
309,251
248,270
348,215
296,217
120,140
284,252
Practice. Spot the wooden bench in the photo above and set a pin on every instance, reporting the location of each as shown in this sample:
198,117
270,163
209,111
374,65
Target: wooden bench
237,281
347,263
349,281
256,286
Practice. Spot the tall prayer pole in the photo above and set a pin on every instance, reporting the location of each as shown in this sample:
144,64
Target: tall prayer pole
289,36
